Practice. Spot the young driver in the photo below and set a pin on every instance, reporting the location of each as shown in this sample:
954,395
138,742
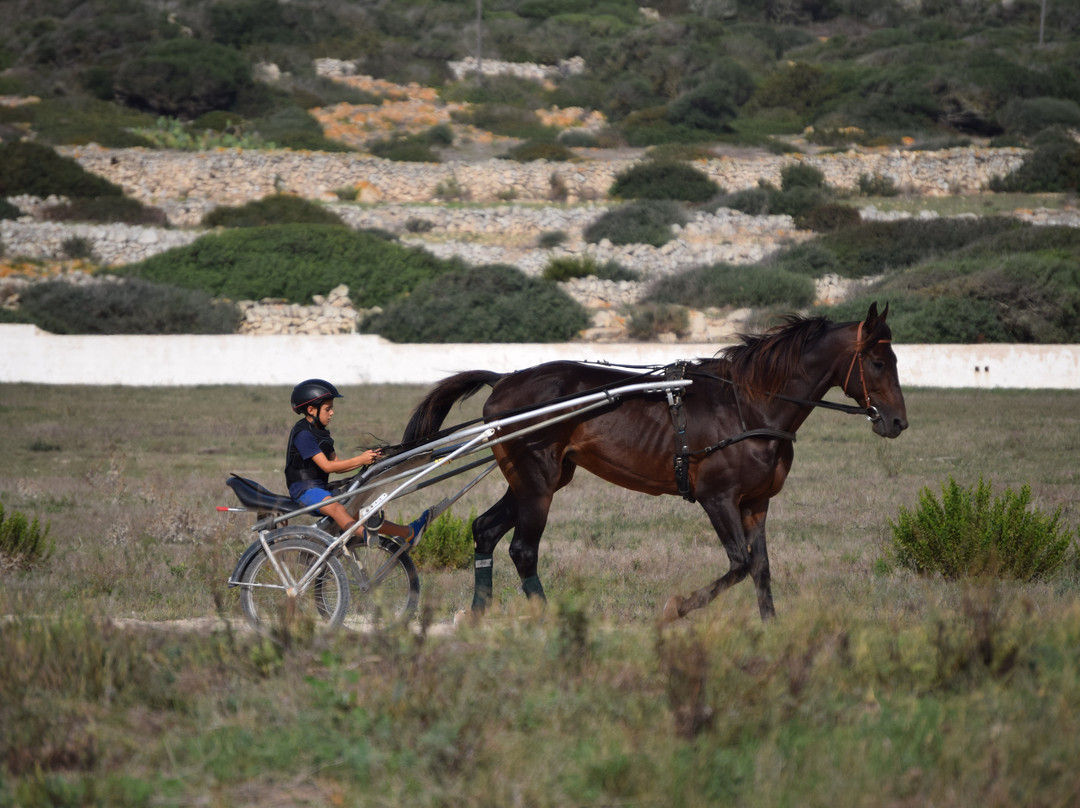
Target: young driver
310,459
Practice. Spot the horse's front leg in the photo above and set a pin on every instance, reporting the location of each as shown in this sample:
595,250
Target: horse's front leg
754,528
728,524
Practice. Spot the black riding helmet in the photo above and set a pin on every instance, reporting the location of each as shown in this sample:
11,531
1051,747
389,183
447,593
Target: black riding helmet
312,391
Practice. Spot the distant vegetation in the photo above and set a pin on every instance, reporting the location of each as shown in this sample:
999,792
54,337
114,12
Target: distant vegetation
293,262
743,71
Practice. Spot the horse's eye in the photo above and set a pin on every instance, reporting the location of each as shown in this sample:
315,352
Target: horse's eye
878,365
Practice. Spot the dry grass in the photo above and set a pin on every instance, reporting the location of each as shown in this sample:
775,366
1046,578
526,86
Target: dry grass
869,688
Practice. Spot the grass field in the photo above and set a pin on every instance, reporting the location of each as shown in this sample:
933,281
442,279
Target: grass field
872,687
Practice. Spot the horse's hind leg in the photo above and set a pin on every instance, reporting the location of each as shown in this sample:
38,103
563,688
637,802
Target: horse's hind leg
488,529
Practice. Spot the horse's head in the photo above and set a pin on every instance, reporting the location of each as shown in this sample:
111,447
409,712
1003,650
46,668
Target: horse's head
871,377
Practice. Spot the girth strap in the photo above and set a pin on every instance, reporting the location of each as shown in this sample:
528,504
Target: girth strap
676,372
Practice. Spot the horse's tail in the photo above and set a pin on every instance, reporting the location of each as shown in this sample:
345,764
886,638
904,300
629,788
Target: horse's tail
432,411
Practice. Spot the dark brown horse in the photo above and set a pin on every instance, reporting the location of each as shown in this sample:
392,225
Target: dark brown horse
733,429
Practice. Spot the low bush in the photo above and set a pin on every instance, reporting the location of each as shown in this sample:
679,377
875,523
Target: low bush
877,185
511,121
293,262
404,149
722,285
8,210
183,77
481,304
874,247
568,267
290,126
647,221
447,543
578,139
1029,116
550,239
1049,168
121,209
30,168
271,210
78,119
552,152
828,218
77,247
132,306
664,180
649,320
801,175
23,542
966,533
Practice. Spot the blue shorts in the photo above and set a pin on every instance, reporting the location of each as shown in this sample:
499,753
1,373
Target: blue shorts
310,496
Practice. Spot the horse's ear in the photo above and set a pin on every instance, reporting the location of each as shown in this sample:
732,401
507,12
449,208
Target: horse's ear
872,317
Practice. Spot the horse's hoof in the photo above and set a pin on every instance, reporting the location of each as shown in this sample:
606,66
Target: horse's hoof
672,610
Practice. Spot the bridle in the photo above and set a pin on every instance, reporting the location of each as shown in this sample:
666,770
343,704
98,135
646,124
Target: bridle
872,413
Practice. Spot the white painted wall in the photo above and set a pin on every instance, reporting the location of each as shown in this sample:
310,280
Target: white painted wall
28,354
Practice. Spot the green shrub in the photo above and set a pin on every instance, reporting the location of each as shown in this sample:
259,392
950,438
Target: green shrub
949,319
710,107
828,217
404,149
801,175
647,221
218,121
550,239
447,543
122,209
77,247
663,180
245,22
291,127
79,119
30,168
1050,168
751,201
875,247
965,533
797,86
722,285
578,139
23,543
8,211
183,77
271,210
565,268
133,306
511,121
415,224
553,152
649,320
481,304
293,262
877,185
1029,116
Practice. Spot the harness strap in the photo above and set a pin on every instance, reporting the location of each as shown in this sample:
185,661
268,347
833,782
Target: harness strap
778,434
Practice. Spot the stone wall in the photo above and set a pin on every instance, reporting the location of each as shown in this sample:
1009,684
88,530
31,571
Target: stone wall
232,176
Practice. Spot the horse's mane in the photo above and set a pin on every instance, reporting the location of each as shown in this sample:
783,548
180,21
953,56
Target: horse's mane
761,363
